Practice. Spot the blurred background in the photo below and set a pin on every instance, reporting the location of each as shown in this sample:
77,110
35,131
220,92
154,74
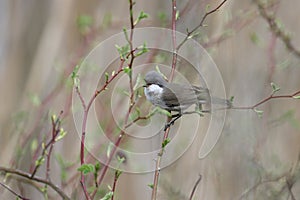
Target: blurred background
257,157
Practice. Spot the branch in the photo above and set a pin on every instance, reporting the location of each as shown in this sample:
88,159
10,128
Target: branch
195,187
158,161
272,96
276,29
13,192
174,58
36,179
190,33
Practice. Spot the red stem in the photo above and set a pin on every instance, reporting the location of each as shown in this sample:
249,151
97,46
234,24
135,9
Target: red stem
265,100
174,58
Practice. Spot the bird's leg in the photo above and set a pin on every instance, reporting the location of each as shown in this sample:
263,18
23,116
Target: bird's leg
174,118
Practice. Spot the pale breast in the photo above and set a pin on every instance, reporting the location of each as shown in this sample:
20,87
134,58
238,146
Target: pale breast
153,94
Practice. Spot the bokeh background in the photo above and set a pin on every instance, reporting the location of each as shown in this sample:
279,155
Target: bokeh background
256,157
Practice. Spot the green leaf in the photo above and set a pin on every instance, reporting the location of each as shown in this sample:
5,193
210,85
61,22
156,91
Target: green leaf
75,76
150,185
106,77
62,134
118,173
39,161
275,88
296,97
109,148
97,166
120,159
259,112
123,51
127,71
141,16
177,15
142,49
107,196
86,168
165,142
231,99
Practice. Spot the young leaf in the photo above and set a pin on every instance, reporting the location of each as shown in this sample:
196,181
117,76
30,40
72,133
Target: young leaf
150,185
109,148
141,16
127,70
106,77
123,50
275,88
296,97
75,76
107,196
39,161
142,49
165,142
259,112
62,134
97,167
86,168
177,15
118,173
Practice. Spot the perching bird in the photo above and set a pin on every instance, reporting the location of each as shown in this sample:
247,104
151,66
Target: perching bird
177,97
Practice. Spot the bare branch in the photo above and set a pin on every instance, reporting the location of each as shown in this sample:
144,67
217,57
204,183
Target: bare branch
274,27
36,179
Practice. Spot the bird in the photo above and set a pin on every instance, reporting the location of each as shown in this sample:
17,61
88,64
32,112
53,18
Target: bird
175,96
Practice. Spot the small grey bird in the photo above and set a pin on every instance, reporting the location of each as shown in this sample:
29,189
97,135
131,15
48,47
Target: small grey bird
177,97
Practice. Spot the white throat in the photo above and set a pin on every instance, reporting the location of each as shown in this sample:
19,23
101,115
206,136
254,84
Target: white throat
153,94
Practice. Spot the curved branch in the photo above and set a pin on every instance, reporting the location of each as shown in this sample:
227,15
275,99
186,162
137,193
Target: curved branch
36,179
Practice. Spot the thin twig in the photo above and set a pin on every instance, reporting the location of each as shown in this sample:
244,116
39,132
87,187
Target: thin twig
116,178
55,132
190,33
36,179
195,187
276,29
266,100
157,164
13,192
132,57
